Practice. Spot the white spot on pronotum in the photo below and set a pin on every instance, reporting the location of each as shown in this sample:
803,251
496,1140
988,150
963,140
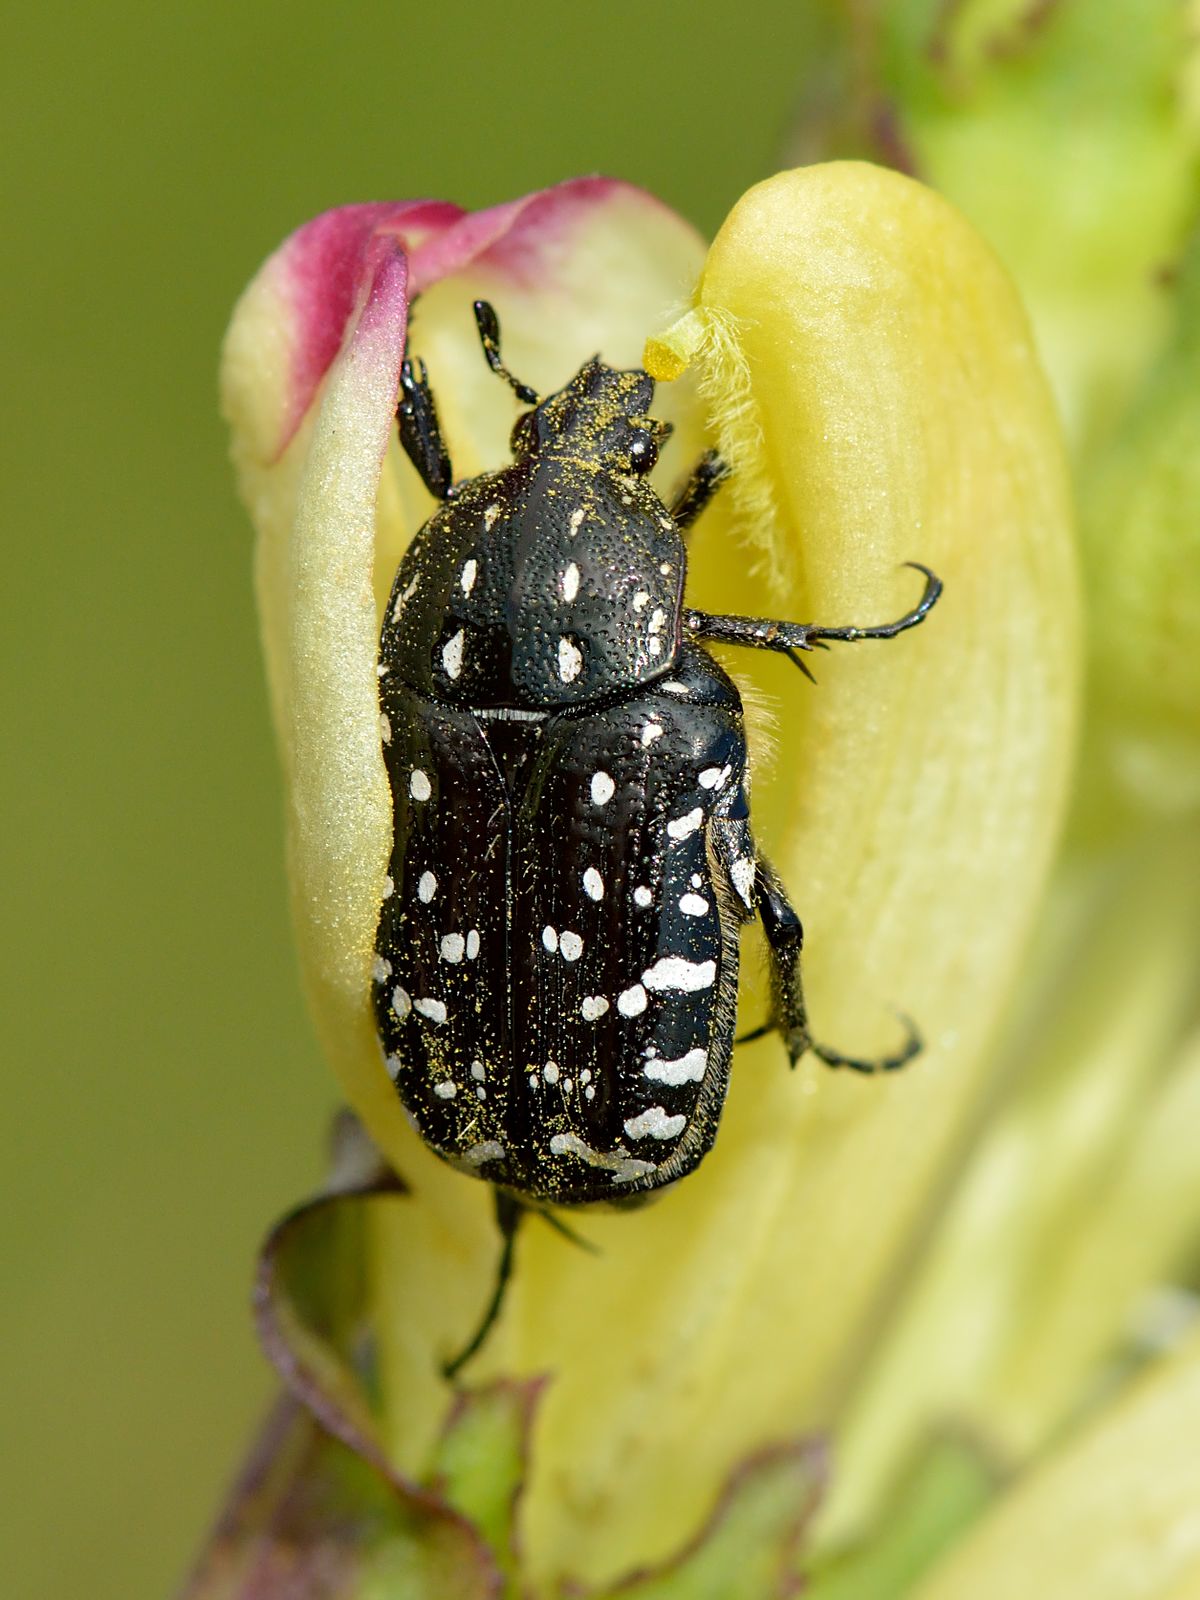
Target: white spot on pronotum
680,827
673,972
576,522
550,938
491,517
445,1090
665,569
570,946
389,887
382,970
472,944
591,1007
713,777
401,1004
650,732
603,788
641,600
654,645
550,1072
742,873
626,499
452,655
467,576
570,660
655,1123
434,1010
452,947
642,895
426,887
657,620
570,582
673,686
419,785
385,727
693,905
687,1069
632,1002
593,884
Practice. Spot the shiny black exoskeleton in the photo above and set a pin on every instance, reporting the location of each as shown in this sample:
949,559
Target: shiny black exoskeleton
557,953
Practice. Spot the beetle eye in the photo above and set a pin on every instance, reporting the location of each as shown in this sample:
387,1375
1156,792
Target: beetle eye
643,452
522,439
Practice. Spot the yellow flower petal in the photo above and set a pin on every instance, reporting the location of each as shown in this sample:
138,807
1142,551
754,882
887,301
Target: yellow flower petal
872,378
1112,1517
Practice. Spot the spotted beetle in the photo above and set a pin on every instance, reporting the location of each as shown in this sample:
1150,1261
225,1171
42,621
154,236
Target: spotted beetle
556,965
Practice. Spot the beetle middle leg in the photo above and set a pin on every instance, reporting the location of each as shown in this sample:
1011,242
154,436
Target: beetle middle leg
767,633
785,939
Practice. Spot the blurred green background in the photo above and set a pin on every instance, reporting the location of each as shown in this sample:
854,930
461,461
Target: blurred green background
164,1100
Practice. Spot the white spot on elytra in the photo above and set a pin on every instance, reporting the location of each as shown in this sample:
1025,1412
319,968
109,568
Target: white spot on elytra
655,1123
434,1010
452,947
713,777
426,887
603,788
570,660
401,1004
665,569
382,970
567,1085
687,1069
673,686
477,1070
403,599
419,785
550,1072
480,1092
641,600
570,582
642,895
389,887
680,827
673,972
490,517
632,1002
452,655
593,884
650,732
654,645
534,1080
570,945
696,880
385,727
590,1092
576,522
445,1091
393,1064
467,576
586,1075
693,905
550,938
657,620
742,873
591,1007
472,944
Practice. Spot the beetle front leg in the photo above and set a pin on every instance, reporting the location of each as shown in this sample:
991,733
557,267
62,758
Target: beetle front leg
421,432
698,488
766,633
785,938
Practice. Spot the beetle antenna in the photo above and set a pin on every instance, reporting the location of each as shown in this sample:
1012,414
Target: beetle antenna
488,324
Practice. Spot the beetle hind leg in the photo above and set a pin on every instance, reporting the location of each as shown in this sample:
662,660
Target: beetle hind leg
785,938
508,1217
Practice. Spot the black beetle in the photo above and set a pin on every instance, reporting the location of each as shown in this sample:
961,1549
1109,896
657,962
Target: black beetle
557,953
